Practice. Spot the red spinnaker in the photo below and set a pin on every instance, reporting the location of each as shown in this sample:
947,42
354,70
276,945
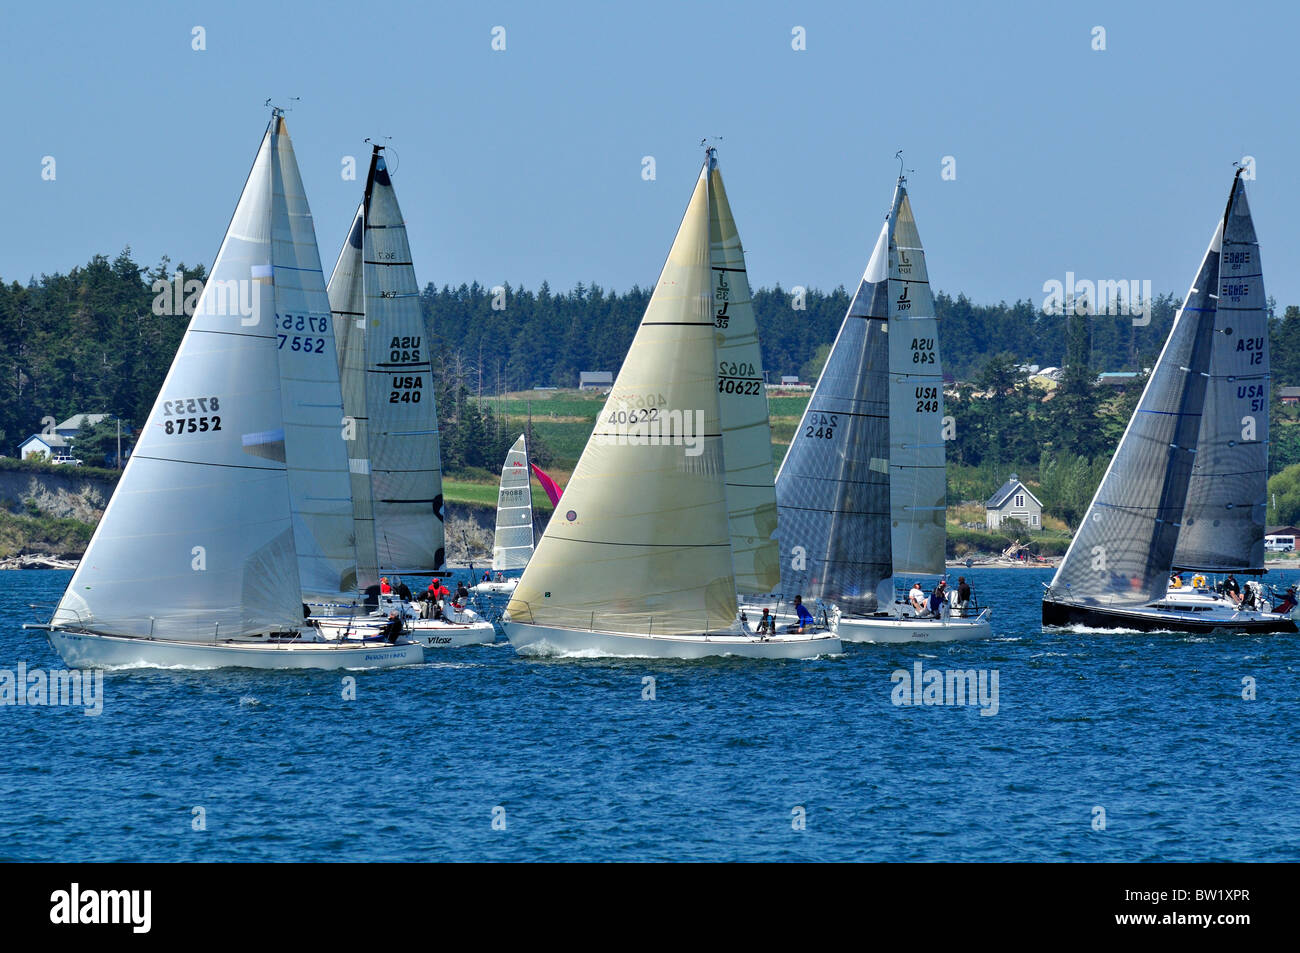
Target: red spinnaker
552,490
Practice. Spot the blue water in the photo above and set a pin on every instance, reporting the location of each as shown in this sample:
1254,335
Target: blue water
1152,728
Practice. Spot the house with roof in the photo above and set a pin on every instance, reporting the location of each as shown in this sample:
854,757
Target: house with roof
1289,395
51,444
57,443
595,380
1013,500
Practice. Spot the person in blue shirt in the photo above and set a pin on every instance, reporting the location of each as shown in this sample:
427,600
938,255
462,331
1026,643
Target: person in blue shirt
804,616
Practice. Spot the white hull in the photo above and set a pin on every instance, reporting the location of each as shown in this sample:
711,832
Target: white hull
890,628
429,633
89,650
548,640
894,630
496,588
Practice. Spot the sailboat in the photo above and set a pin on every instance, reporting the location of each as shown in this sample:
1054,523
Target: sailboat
861,491
512,545
640,559
391,418
226,517
1187,486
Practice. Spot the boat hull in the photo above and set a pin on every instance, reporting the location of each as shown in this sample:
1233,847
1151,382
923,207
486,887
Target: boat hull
93,650
531,639
892,629
496,588
1146,619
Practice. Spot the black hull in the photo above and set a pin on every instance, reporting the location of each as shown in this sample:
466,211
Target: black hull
1065,614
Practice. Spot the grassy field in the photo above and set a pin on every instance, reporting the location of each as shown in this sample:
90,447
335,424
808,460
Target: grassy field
485,494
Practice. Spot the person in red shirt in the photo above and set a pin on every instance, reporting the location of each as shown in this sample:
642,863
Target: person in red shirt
438,590
384,587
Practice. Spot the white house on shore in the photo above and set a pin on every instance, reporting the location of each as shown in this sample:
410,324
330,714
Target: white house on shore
57,446
1013,501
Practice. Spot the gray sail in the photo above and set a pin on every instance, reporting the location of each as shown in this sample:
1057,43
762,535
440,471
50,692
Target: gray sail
387,383
1124,548
833,487
1223,522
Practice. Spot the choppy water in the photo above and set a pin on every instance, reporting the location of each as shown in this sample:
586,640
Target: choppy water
1151,728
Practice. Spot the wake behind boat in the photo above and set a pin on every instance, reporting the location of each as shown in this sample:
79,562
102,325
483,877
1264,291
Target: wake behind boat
227,513
642,558
1187,487
861,492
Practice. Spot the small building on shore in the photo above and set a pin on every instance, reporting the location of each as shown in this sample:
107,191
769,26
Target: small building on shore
1013,501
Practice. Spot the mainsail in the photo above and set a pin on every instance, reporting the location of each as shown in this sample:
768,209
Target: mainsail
861,490
1223,521
1124,547
312,407
197,542
917,472
742,397
385,365
513,543
640,543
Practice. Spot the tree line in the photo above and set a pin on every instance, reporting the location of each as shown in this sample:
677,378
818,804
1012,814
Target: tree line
92,341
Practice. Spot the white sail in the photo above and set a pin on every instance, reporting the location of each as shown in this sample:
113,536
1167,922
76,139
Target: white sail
917,475
640,543
742,397
396,439
513,543
197,542
312,406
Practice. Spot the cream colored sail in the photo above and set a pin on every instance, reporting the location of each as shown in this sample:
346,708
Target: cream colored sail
742,399
640,543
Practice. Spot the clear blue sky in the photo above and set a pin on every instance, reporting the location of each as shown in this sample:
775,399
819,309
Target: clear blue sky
525,165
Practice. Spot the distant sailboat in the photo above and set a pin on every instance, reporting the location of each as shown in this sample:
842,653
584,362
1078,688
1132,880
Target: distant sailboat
1187,487
513,543
226,513
391,417
861,492
641,559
